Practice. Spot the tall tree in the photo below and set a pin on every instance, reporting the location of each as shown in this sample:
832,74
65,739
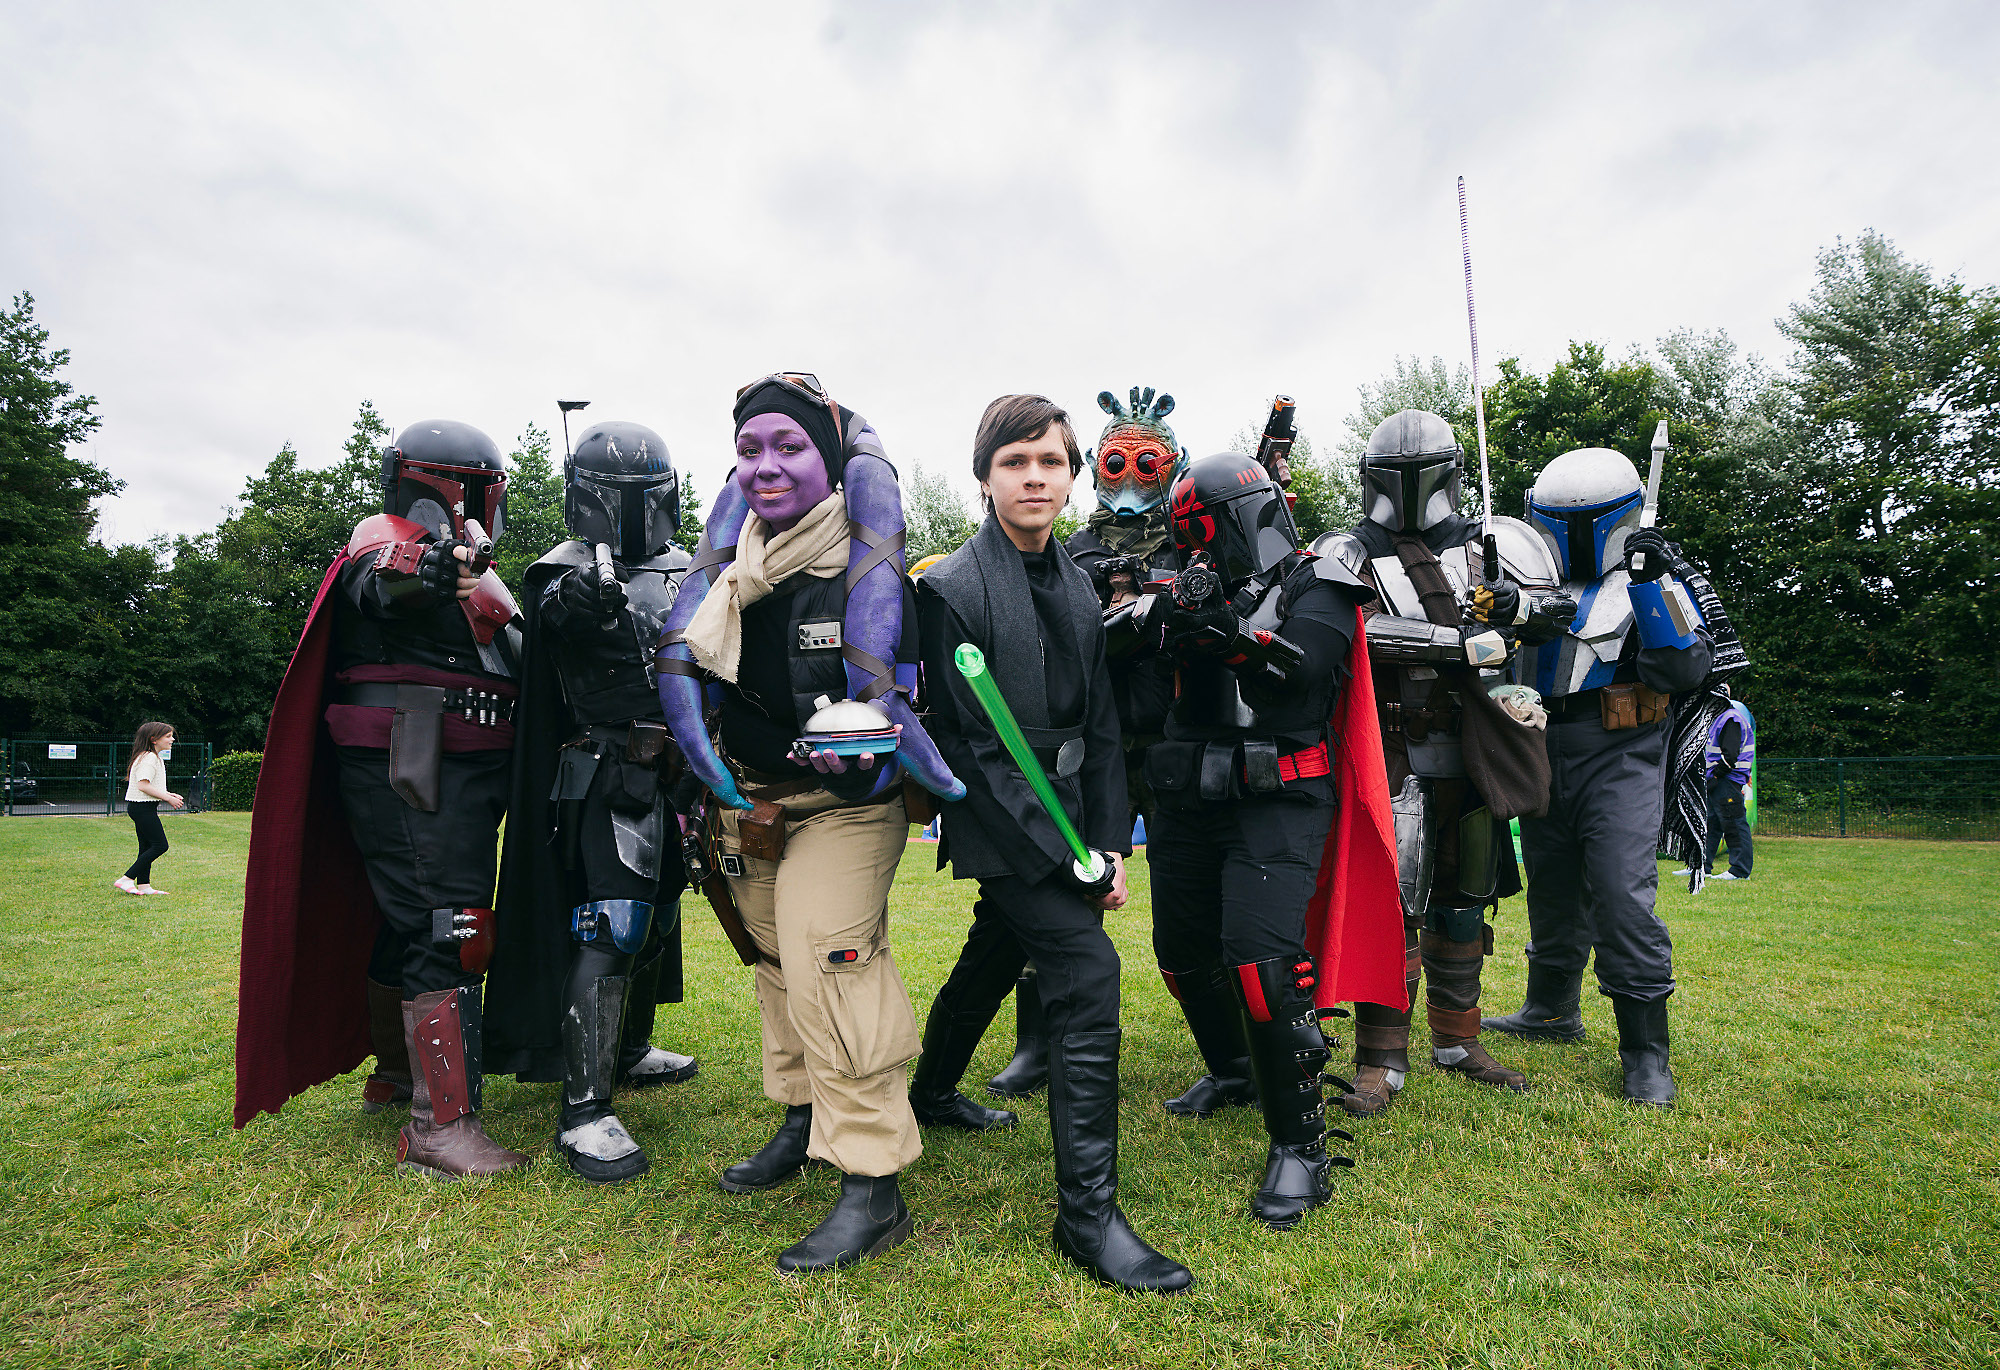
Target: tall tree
58,618
691,525
534,507
934,516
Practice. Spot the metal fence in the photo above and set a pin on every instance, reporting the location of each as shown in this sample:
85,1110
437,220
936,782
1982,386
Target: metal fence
1943,798
87,774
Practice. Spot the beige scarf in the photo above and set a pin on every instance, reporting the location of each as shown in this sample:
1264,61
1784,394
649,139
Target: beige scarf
815,545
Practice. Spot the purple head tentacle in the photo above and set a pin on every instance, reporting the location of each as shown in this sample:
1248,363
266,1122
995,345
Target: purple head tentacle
682,696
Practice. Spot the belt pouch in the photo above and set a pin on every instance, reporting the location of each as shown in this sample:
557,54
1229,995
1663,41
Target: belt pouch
645,742
918,802
416,745
761,832
1169,766
1618,707
1652,705
1218,769
1260,766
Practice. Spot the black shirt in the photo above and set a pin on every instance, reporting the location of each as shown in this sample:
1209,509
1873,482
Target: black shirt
1061,671
760,719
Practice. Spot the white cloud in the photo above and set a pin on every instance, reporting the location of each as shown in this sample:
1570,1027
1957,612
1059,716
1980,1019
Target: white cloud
244,220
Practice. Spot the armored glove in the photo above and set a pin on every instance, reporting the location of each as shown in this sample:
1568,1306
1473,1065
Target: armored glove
1205,631
439,568
587,590
1647,547
1499,601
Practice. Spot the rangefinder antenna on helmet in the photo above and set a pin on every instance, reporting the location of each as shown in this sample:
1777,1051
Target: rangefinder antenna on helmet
1489,548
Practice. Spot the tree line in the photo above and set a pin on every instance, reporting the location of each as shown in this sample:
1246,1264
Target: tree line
1846,505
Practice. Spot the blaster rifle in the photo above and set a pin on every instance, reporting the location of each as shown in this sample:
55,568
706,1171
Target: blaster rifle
1274,448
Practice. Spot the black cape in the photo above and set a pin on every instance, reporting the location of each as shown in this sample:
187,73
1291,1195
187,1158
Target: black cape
524,985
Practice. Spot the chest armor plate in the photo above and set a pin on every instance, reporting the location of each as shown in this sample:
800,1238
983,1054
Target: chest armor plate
1399,596
649,594
1584,657
1214,696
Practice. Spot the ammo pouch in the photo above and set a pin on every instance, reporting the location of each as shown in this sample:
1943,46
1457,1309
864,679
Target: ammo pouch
761,832
869,1023
1170,766
635,788
646,743
1630,706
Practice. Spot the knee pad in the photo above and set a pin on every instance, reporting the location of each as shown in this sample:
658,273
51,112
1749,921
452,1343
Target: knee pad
1456,925
621,922
470,930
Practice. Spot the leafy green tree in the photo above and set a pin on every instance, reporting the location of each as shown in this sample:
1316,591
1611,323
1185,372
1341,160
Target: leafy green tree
935,517
1414,384
690,534
534,507
59,617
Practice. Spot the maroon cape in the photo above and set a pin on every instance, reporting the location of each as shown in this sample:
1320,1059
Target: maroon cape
309,917
1354,922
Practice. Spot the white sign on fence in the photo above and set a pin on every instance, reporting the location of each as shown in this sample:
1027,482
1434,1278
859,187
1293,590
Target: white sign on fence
62,751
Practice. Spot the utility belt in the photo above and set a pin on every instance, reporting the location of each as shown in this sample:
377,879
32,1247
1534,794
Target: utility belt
1419,723
1232,768
1615,707
1060,751
642,741
485,708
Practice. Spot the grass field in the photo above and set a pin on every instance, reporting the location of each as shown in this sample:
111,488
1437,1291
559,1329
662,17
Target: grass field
1824,1195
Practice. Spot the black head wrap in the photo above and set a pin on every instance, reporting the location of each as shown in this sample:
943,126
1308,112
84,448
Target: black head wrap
813,418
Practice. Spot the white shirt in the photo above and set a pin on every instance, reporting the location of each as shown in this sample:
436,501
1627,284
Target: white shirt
147,767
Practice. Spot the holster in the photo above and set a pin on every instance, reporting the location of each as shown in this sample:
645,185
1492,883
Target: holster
761,832
416,745
1630,705
918,802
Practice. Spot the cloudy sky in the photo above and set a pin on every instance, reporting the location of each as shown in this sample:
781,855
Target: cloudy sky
245,219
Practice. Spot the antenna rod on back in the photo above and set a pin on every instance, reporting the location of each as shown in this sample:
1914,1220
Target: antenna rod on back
1488,546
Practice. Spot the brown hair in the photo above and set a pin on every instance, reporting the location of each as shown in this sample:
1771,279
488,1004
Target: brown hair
1020,418
143,740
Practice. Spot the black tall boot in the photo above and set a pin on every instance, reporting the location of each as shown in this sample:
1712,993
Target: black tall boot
641,1065
1028,1072
1217,1024
1090,1229
389,1083
1553,1011
1642,1050
868,1219
778,1159
949,1041
589,1136
1287,1055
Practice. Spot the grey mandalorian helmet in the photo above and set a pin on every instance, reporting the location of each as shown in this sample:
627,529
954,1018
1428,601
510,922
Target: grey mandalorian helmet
1410,472
1585,504
620,488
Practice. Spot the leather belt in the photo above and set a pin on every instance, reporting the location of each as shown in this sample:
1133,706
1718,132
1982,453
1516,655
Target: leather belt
1575,708
483,707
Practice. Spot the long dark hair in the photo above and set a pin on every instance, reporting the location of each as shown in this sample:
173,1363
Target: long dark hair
143,740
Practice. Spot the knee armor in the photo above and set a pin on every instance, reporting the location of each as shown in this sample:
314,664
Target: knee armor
622,922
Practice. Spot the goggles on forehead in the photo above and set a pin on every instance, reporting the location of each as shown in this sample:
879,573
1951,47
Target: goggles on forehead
800,383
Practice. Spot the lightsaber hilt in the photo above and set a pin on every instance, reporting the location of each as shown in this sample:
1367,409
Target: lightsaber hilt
1090,867
1490,548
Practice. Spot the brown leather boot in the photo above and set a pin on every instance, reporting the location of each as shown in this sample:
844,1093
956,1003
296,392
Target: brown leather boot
1451,1002
1382,1041
443,1139
390,1081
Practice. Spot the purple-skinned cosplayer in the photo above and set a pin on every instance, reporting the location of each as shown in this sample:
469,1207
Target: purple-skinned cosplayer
795,633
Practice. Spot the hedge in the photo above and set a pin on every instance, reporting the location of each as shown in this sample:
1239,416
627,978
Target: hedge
234,779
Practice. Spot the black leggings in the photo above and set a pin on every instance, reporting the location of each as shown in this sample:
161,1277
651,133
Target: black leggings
152,838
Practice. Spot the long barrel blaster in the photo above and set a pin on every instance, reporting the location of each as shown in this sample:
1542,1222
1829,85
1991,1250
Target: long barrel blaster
1281,430
1244,647
607,578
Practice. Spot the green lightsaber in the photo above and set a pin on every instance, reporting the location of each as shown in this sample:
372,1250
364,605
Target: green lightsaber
1091,867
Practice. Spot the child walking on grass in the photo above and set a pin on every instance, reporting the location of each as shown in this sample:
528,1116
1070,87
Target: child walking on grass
145,790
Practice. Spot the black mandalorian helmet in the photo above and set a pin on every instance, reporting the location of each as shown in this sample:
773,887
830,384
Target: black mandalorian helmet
1229,507
1410,472
620,488
443,471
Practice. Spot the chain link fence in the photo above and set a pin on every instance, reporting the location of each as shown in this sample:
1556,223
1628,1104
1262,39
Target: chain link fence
1942,798
87,775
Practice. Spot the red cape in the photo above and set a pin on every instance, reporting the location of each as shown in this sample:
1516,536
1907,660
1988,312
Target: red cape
1354,923
309,917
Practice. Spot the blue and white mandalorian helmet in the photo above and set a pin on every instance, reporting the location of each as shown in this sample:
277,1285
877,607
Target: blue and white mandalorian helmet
1585,504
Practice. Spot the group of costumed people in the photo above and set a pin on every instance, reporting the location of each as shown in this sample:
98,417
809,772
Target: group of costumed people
1325,747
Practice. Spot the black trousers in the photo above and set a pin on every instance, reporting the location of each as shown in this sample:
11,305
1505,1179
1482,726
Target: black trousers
1076,966
153,838
417,861
1729,820
1231,879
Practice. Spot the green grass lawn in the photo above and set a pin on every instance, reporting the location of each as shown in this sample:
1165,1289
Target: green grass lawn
1824,1194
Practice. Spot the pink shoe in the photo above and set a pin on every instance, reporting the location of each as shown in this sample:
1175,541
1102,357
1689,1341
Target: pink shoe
124,883
148,889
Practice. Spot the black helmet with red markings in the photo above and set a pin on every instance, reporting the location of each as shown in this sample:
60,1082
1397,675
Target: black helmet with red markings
444,471
1228,506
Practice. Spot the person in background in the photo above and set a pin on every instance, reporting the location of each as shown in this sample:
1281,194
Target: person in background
1732,752
145,790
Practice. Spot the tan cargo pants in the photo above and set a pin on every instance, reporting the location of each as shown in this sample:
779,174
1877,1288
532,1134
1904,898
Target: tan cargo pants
838,1027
